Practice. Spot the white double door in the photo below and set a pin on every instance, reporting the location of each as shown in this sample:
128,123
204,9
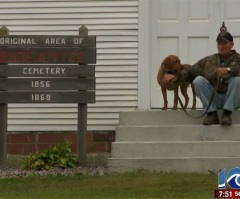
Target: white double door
188,28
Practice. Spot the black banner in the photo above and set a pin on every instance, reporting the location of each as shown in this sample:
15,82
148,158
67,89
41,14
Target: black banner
47,97
48,40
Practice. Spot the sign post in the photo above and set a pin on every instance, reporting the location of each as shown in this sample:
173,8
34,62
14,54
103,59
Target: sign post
3,120
48,80
82,120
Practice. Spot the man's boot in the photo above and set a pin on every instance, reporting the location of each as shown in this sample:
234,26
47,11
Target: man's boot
226,117
212,118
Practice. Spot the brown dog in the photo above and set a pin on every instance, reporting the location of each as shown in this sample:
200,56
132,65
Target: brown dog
172,65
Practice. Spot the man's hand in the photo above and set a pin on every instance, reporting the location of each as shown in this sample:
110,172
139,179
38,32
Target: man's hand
169,77
221,71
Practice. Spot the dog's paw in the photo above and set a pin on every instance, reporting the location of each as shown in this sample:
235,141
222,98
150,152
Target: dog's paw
164,108
174,108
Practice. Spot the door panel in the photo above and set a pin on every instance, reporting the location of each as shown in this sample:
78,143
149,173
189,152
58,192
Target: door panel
188,29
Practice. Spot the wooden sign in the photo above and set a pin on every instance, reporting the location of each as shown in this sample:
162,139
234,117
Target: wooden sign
48,55
44,83
48,40
47,83
47,97
47,70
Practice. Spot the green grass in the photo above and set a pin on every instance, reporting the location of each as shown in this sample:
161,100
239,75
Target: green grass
120,186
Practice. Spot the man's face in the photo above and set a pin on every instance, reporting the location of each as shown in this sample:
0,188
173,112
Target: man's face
224,47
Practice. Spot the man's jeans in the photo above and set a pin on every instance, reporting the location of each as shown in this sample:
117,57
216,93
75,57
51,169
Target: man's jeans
228,101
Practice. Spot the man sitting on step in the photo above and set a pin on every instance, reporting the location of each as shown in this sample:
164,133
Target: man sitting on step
219,73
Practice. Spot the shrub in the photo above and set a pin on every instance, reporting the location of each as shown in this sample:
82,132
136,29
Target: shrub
59,156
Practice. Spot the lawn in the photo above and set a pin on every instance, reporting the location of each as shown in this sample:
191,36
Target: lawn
125,186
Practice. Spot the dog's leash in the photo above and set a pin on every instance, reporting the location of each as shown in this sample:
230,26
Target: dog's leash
219,83
205,112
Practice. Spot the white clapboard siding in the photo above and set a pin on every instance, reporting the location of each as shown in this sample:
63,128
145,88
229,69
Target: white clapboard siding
115,23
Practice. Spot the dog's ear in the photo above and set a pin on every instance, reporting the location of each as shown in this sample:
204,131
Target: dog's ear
165,62
163,67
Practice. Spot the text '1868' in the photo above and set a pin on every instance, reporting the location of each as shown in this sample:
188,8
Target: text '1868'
41,97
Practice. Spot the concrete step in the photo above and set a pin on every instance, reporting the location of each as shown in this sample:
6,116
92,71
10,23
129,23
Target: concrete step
175,149
185,164
171,141
158,117
178,133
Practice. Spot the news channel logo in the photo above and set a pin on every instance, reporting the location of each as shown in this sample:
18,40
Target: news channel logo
231,178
